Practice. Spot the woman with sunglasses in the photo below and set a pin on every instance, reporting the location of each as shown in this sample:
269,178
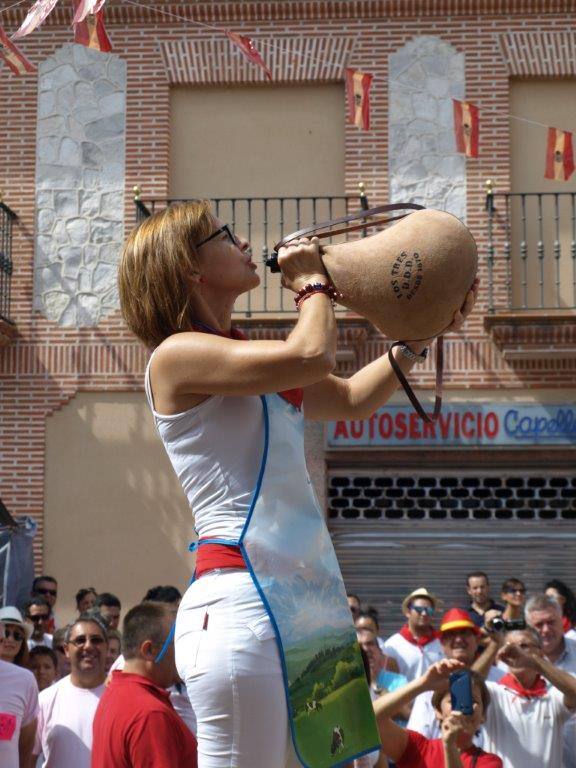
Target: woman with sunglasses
15,647
216,398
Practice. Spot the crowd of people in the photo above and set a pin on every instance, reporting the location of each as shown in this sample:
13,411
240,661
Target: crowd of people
84,694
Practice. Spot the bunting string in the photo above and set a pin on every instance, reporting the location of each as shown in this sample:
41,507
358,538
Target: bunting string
275,46
246,46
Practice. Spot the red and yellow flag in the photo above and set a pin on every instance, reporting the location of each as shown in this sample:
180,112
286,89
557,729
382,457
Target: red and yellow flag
13,56
466,127
246,45
358,96
559,155
91,31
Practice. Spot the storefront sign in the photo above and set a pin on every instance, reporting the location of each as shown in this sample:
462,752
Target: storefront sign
460,425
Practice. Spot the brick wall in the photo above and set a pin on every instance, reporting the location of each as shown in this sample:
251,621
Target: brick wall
47,365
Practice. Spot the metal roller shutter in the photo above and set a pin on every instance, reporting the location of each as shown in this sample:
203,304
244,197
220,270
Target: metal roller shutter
394,532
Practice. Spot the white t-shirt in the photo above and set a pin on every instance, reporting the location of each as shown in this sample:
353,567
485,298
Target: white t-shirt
525,733
18,708
413,660
46,640
567,662
64,734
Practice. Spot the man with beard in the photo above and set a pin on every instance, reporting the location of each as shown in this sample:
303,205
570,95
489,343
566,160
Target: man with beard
459,638
67,708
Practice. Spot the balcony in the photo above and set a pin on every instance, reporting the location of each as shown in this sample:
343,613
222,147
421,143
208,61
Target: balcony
7,327
264,221
532,273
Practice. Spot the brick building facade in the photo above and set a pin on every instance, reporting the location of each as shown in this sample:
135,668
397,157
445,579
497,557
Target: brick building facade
72,340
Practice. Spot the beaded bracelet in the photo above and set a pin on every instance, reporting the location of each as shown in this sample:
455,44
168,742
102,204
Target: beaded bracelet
312,288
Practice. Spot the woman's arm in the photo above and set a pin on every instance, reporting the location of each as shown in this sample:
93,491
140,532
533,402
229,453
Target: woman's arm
371,387
191,363
394,738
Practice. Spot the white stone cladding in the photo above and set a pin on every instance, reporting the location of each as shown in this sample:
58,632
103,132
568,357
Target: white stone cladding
424,167
80,173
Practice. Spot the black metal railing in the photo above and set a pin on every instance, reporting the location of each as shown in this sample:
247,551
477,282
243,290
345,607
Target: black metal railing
264,221
7,217
531,250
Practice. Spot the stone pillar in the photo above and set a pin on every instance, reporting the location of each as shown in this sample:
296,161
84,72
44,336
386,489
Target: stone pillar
80,178
424,167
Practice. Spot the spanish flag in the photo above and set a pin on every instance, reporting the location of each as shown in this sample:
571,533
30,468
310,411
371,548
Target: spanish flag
358,95
248,48
466,127
13,56
92,33
559,155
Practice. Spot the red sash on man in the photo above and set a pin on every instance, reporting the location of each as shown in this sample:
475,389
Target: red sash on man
419,641
538,689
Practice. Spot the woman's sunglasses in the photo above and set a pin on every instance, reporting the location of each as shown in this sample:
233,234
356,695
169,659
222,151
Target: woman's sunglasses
16,634
225,229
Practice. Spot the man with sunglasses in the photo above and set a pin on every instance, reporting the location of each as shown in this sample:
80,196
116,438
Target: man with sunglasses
514,597
416,646
67,708
37,614
47,587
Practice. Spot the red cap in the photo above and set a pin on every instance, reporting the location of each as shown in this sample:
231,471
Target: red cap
457,618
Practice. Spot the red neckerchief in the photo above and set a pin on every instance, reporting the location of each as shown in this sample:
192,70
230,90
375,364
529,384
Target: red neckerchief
293,396
566,624
538,689
419,641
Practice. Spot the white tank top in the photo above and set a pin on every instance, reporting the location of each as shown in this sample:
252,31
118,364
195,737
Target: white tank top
215,449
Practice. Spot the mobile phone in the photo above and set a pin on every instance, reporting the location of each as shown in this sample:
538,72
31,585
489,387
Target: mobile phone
461,692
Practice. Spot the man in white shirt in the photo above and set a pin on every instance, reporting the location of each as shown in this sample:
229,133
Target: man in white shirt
416,646
545,615
530,705
37,614
67,708
18,713
459,637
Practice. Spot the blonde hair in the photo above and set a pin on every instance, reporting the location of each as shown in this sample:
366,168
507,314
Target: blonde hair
159,255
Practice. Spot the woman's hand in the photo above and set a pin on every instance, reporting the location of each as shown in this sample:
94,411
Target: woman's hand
438,673
461,314
453,725
301,264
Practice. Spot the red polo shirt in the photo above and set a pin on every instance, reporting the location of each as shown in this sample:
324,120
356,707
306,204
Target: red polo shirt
421,752
135,726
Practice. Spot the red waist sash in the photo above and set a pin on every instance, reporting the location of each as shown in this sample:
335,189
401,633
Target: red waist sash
212,556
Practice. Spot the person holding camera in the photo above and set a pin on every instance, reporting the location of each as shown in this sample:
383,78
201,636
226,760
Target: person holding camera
460,640
530,705
455,747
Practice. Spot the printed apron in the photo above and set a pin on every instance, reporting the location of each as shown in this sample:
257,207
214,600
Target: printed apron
290,556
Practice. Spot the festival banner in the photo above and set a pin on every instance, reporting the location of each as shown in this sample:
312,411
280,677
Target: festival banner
466,127
36,15
246,45
358,86
13,56
85,8
559,155
92,33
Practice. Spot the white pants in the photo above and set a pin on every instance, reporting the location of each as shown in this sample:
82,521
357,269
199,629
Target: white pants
226,654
